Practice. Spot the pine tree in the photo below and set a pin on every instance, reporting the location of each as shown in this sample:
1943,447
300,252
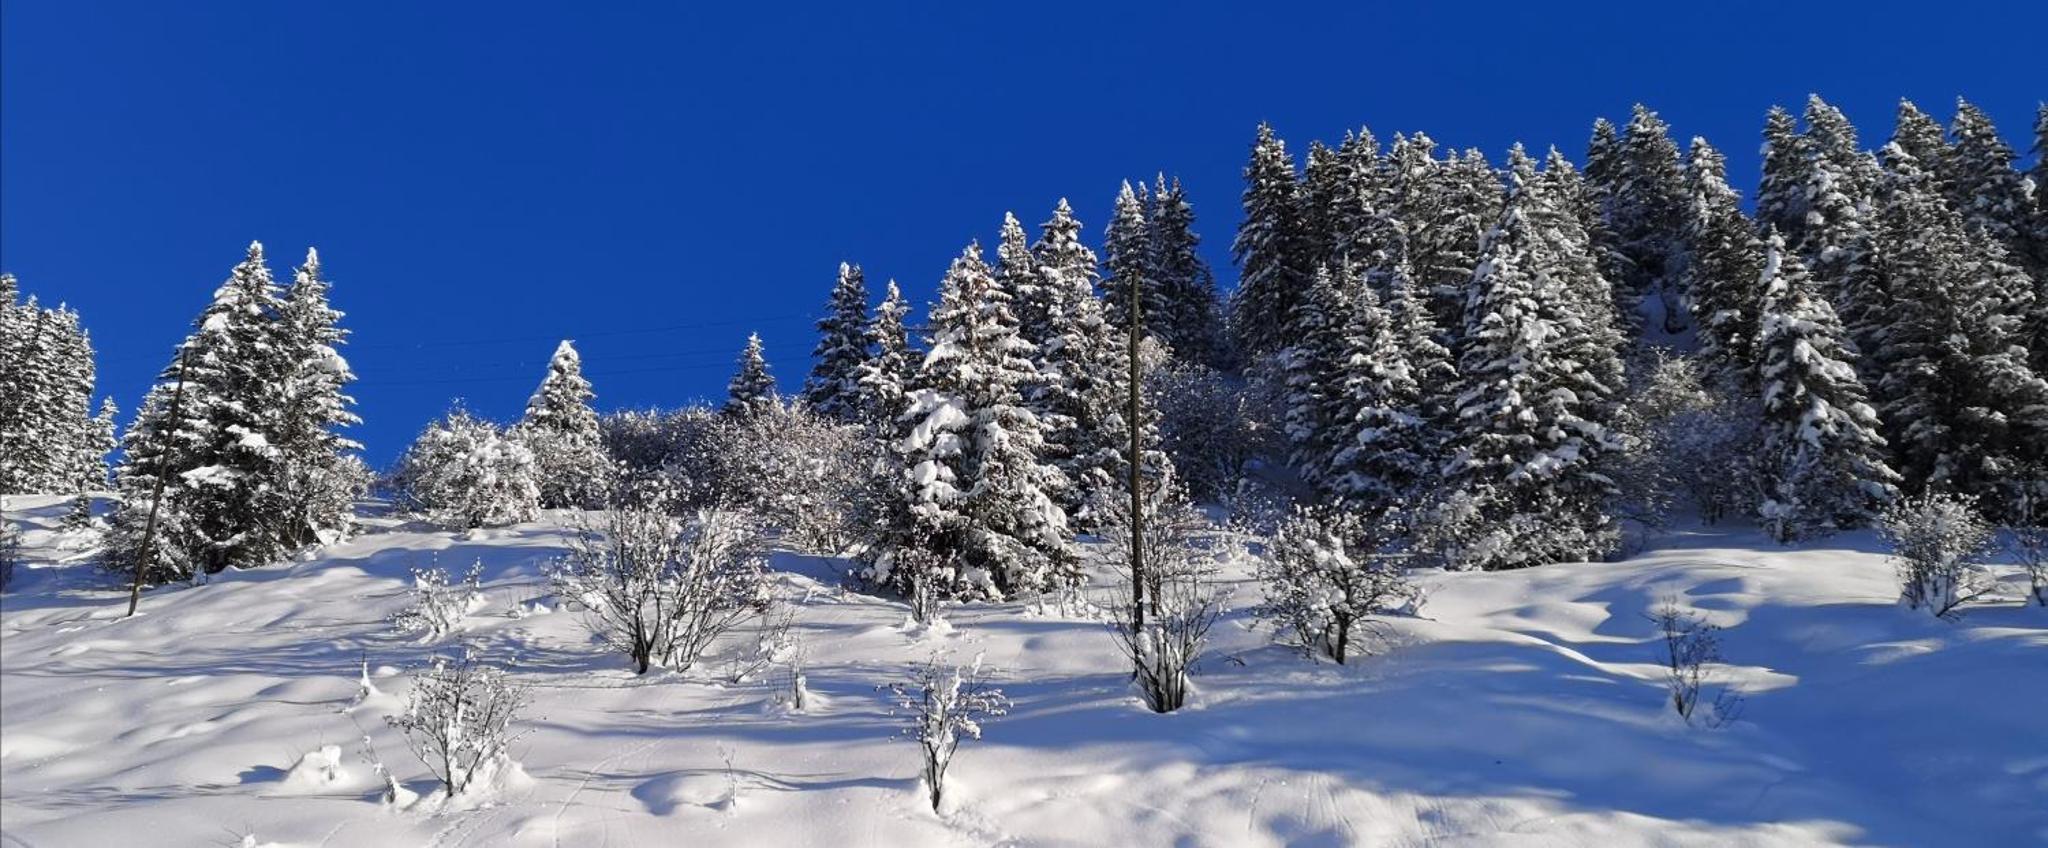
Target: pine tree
1986,188
1359,217
1724,259
1127,267
833,389
560,428
320,479
1573,262
974,488
1529,446
1312,369
1429,362
1964,412
1822,462
1387,449
2037,260
1646,213
1921,137
890,361
47,433
752,388
1781,200
1270,249
1837,246
1192,326
1323,182
1075,399
218,460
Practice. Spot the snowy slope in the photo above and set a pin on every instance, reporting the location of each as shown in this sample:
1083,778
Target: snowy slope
1524,710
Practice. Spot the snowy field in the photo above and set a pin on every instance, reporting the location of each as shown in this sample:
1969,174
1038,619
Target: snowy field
1525,708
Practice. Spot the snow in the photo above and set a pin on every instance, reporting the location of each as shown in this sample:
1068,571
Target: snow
1524,709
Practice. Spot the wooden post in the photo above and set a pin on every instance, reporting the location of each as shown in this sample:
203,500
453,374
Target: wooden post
156,501
1137,481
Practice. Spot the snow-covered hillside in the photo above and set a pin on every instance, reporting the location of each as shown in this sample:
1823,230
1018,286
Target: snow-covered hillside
1525,708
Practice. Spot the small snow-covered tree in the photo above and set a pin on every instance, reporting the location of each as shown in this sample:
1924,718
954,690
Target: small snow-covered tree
320,477
561,430
459,720
945,704
880,378
439,605
833,389
808,475
1938,542
1326,573
752,389
465,473
660,588
1822,464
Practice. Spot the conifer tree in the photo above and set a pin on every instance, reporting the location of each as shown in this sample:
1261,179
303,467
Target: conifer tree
1127,265
320,478
1359,216
1270,249
48,439
1646,213
1963,411
1192,325
1529,446
1387,449
1323,181
1429,362
1312,370
880,378
2037,260
1724,259
1781,200
1837,246
1076,398
751,391
974,489
1822,463
833,389
1921,137
1569,258
560,428
217,458
1983,184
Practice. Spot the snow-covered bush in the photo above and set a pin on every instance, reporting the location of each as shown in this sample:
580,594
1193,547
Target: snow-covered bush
1163,629
459,721
1684,439
1691,655
1938,543
2028,545
810,476
1497,530
439,606
662,588
1325,573
465,473
10,547
946,703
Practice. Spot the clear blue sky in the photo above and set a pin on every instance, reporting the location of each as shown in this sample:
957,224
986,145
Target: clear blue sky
482,179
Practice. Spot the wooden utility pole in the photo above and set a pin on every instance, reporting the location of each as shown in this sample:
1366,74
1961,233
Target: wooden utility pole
1135,424
156,500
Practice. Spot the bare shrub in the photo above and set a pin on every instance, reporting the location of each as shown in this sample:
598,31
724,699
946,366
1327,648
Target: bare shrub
1164,635
1691,655
662,589
1938,542
438,606
458,720
946,703
2029,547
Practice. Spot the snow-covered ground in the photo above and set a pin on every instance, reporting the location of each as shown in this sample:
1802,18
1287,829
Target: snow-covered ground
1524,709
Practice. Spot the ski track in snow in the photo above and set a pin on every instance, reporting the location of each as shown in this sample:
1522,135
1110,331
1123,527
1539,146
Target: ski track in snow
1524,708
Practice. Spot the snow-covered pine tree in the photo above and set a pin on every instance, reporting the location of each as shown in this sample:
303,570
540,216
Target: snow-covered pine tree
1193,324
1322,182
1572,260
1837,246
1822,466
465,473
1313,368
1445,250
320,478
217,460
2037,229
561,430
1962,410
1270,249
1781,200
1646,213
92,469
1388,449
752,388
1076,398
833,389
1530,445
1358,218
1429,362
974,489
1127,257
1724,259
1986,188
880,378
48,439
1922,137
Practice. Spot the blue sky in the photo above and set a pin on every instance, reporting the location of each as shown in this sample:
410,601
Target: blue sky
656,181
